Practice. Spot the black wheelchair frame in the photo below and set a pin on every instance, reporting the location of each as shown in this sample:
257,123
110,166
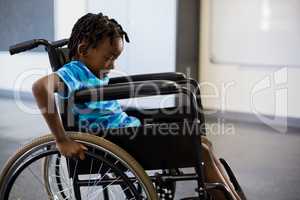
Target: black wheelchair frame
141,148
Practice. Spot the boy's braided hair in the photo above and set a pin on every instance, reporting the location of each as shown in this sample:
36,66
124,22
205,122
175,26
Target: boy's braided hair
91,28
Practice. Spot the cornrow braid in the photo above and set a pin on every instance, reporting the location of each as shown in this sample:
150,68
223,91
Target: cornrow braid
92,28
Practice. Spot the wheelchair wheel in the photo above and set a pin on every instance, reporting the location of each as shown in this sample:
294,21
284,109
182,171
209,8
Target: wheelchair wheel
108,172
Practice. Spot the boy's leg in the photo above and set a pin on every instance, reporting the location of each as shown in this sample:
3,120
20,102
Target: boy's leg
214,170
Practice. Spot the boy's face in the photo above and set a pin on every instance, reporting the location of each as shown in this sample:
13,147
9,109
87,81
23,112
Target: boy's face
100,60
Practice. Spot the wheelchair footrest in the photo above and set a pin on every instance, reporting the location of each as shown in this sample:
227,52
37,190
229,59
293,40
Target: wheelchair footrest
233,179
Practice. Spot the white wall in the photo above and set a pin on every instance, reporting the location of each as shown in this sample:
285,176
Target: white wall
66,13
244,83
25,66
151,26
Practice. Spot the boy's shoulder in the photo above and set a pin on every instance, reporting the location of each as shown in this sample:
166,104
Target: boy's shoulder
77,68
74,65
79,72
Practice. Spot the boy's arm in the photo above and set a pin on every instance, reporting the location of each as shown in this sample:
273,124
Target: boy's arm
43,91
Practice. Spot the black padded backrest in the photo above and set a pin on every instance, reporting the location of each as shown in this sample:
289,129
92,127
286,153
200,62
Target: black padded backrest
63,57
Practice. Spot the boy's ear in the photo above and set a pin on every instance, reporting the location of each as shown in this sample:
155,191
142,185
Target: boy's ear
82,49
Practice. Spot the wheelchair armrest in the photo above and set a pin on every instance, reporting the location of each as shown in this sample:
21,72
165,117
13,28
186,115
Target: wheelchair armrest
171,76
127,90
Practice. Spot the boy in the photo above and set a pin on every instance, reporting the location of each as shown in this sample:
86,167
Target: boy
95,43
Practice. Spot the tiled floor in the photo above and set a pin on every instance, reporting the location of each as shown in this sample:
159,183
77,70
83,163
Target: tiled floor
266,162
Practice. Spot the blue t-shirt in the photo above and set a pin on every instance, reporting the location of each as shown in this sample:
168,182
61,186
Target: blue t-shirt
95,114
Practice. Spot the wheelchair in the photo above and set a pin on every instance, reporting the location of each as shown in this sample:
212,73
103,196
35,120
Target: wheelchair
118,166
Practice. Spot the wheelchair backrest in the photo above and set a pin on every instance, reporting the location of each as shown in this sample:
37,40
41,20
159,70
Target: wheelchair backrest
62,55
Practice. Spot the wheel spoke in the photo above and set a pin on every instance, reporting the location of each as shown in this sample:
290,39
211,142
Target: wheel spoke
88,192
106,186
36,177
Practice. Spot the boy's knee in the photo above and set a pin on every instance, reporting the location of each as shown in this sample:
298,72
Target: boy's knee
206,141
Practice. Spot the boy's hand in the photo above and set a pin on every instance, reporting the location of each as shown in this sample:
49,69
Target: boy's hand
70,148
